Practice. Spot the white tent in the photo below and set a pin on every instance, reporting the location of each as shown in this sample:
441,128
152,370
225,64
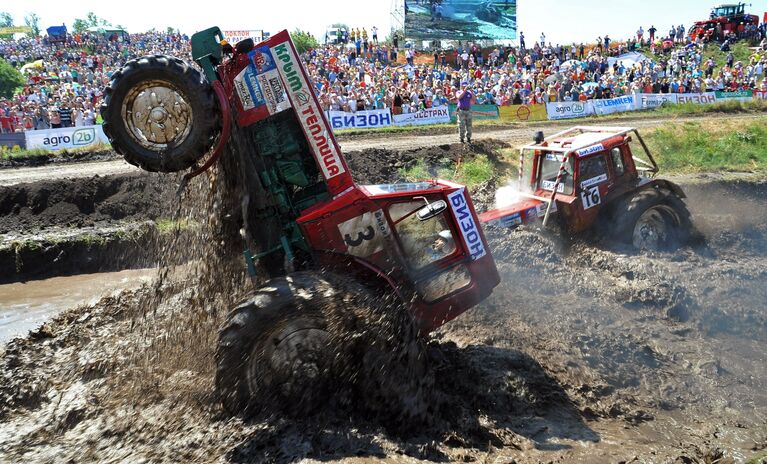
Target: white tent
629,60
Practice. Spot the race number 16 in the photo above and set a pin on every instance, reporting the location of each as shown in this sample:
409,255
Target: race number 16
590,197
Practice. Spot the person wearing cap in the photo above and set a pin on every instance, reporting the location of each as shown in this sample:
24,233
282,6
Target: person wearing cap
465,99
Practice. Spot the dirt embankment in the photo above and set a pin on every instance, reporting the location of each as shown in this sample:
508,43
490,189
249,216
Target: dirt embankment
583,353
69,226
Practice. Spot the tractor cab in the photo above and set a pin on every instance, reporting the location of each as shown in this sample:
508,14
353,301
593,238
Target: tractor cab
423,238
728,10
572,174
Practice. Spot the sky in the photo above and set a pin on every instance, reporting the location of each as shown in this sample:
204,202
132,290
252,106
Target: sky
563,21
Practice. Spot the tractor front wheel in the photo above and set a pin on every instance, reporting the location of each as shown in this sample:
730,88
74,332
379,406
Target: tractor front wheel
653,219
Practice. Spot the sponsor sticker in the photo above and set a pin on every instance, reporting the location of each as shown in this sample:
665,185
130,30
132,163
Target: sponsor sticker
512,220
542,208
317,131
549,185
467,225
594,181
589,150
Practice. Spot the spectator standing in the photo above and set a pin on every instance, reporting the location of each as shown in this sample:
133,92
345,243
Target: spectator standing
65,115
640,34
465,99
652,32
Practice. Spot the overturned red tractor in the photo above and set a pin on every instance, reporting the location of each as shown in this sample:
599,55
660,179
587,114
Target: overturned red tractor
333,258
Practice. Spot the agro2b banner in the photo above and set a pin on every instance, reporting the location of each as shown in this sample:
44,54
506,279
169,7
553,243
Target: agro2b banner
67,138
570,110
435,115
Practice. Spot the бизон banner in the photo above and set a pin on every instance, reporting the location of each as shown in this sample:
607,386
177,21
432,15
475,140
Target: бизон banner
67,138
369,119
697,98
434,115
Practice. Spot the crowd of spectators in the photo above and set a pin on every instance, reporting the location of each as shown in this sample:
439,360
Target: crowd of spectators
542,73
65,80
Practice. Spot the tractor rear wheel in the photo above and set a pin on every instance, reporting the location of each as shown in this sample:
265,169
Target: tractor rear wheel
653,219
302,341
160,114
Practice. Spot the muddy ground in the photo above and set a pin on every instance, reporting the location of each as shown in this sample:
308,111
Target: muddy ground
584,353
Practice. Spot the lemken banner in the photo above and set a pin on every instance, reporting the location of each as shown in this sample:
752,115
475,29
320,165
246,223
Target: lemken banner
67,138
434,115
370,119
614,105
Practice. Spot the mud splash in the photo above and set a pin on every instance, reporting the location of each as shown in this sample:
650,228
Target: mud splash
583,352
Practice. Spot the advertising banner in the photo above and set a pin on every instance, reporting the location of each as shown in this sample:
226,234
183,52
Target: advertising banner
435,115
647,101
521,113
615,105
461,20
570,110
697,98
235,36
760,95
371,119
67,138
744,95
477,112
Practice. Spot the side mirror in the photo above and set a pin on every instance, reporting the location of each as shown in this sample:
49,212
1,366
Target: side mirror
431,210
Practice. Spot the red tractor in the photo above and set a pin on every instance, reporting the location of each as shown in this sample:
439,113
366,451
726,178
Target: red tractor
329,254
590,178
724,20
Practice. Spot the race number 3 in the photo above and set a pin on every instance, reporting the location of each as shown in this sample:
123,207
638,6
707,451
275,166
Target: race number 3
590,197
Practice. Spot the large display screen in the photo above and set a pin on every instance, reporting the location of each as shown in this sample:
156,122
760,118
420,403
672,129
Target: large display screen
461,19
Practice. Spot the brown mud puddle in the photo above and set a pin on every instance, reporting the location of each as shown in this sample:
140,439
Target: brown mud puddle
584,353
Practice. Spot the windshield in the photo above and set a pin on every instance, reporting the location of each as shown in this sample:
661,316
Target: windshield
423,242
550,163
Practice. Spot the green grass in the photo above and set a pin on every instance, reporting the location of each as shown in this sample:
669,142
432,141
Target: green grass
166,225
758,459
740,52
471,172
710,146
17,152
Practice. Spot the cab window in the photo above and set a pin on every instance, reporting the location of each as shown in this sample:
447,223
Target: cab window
549,169
617,158
423,242
592,171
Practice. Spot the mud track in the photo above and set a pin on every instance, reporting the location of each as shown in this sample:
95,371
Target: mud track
584,353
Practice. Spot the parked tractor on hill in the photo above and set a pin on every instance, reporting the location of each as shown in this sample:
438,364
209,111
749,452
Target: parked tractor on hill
590,178
724,20
336,256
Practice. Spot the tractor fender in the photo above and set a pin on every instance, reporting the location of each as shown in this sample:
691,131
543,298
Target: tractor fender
642,184
668,185
360,270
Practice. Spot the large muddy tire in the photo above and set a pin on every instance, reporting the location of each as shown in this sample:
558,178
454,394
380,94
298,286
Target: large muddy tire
652,219
160,114
305,341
